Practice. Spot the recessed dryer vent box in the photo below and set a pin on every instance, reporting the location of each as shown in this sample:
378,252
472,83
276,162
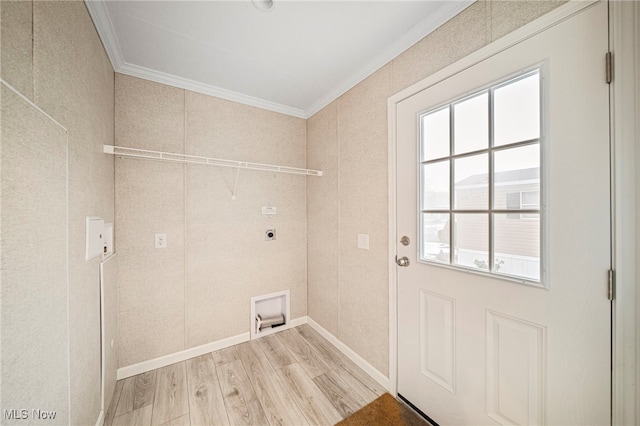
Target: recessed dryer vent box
269,313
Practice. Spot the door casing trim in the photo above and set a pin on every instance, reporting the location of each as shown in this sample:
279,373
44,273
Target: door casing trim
624,37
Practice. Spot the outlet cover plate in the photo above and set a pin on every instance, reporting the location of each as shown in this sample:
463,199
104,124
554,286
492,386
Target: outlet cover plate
161,241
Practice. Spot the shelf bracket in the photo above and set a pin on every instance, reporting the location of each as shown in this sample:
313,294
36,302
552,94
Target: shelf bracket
235,185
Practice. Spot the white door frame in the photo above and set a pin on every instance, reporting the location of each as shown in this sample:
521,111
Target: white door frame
625,112
624,39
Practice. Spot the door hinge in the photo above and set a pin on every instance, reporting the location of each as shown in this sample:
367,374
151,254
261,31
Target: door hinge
611,291
609,67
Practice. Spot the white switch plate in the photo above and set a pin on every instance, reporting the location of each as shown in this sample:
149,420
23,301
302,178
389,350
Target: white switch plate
268,210
161,240
363,241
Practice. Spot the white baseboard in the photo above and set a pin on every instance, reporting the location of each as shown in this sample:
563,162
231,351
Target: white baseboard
349,353
152,364
163,361
298,321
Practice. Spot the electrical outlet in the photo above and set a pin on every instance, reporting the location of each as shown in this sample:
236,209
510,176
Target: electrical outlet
161,240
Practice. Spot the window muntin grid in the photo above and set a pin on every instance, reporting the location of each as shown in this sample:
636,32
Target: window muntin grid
467,181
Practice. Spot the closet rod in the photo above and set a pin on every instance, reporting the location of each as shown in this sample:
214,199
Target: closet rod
193,159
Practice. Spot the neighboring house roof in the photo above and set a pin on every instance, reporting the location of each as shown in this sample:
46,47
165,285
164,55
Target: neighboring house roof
500,177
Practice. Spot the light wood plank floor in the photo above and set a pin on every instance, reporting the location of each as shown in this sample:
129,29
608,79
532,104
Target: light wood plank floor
293,377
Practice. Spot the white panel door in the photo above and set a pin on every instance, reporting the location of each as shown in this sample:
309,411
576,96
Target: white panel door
529,344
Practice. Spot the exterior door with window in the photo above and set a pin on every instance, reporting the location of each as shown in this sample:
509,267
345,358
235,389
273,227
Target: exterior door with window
503,190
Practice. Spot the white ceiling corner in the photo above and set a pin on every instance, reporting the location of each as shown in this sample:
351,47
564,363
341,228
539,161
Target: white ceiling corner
318,51
102,22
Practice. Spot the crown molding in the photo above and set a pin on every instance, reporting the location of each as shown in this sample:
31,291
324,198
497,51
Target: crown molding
436,19
207,89
102,21
100,16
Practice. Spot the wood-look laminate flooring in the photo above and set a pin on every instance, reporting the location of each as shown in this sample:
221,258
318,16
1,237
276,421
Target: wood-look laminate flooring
293,377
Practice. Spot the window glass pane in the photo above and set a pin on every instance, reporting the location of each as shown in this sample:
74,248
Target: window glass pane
435,186
530,200
458,225
435,132
516,242
517,171
517,111
471,235
471,124
435,237
471,176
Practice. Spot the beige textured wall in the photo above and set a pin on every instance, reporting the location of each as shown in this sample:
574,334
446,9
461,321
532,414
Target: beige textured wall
52,54
198,289
348,287
34,350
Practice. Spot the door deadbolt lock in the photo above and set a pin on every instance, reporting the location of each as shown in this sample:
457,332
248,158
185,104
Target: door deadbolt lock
403,261
405,241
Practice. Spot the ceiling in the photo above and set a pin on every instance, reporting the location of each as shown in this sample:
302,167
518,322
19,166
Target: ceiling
295,58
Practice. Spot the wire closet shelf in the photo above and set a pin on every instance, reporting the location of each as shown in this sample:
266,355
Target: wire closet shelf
194,159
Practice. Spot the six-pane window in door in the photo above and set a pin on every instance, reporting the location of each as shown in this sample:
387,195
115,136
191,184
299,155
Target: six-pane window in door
480,180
